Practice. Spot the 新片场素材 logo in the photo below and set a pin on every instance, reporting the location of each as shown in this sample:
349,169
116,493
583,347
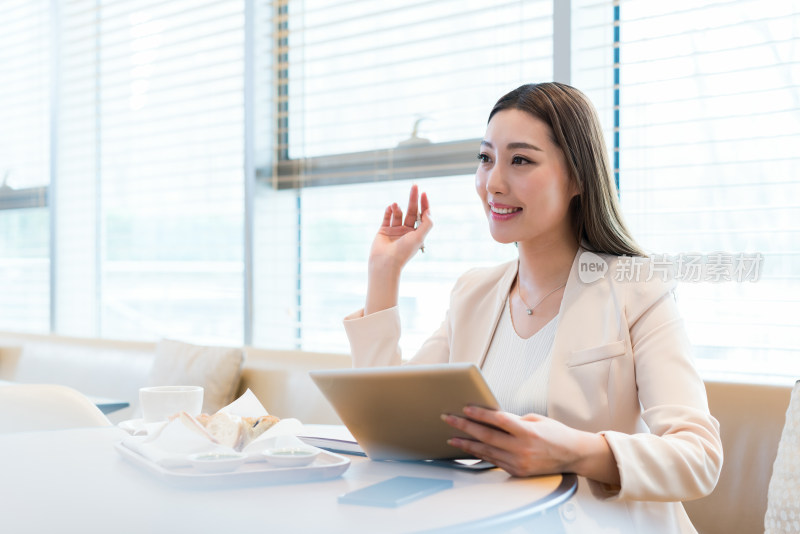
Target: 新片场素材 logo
683,267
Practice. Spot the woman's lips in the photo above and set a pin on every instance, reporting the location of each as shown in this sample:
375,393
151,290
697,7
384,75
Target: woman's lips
502,212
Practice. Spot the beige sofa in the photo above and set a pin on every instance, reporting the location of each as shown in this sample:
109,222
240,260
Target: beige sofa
117,369
751,416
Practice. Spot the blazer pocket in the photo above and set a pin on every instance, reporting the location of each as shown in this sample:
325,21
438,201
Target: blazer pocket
596,354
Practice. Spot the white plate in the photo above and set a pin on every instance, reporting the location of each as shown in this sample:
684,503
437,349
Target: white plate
327,465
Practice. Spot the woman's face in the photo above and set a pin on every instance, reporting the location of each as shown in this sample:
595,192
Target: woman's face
523,181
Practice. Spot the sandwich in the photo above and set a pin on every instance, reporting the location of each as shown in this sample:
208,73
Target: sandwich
228,430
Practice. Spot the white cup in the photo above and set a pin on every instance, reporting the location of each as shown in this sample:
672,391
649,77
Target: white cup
159,402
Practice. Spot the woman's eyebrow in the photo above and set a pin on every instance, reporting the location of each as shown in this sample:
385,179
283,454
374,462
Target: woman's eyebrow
512,146
529,146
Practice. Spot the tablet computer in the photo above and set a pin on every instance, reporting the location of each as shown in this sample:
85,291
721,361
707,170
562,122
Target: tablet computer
395,412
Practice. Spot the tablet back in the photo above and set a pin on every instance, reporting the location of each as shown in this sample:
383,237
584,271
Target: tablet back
395,412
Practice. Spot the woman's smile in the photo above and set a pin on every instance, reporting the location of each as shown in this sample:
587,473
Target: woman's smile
502,212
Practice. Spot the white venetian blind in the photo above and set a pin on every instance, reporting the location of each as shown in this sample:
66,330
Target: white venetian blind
361,73
24,164
150,191
592,59
709,163
368,98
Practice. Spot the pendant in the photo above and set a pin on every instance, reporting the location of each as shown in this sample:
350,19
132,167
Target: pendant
530,311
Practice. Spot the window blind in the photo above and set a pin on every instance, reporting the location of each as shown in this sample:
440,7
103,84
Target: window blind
25,63
593,59
150,170
383,82
366,93
709,130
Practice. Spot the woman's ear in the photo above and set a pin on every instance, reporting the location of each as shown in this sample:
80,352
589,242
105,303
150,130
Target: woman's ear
574,190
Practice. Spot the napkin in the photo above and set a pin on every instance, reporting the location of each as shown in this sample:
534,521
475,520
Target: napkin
170,444
137,427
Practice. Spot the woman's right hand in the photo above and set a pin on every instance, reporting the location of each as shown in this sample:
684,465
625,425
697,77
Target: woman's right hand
397,241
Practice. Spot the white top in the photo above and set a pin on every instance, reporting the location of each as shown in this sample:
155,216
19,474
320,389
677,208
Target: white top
518,369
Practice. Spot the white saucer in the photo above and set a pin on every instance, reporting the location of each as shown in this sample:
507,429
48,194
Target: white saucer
291,456
217,462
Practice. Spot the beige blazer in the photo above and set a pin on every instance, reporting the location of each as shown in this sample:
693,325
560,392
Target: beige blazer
621,365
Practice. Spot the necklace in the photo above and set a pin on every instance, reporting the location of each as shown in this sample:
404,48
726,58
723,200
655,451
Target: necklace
529,309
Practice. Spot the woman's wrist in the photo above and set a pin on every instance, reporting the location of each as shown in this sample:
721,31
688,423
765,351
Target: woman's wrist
594,459
384,267
383,287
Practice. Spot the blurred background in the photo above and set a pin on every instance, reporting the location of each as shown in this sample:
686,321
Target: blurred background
214,171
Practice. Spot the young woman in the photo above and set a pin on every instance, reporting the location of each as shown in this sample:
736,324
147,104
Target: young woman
595,374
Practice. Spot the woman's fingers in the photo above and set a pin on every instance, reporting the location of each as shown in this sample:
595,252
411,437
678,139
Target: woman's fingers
501,458
474,447
413,209
495,445
397,215
425,222
505,421
488,435
387,216
396,224
424,206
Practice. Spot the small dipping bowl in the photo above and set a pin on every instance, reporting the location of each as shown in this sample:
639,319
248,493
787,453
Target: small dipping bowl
291,456
217,462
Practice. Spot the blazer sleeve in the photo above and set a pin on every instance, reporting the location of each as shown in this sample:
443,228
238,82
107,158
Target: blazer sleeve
374,340
680,459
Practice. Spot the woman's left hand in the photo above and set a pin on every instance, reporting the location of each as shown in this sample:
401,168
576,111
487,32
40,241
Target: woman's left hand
532,444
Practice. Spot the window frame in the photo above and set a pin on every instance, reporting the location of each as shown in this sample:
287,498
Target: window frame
411,161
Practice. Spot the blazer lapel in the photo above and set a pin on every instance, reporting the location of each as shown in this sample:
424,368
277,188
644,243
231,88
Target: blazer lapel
569,320
477,316
590,316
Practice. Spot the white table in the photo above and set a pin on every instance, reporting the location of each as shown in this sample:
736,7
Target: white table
75,481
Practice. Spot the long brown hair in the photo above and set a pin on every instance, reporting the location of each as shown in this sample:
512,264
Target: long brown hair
575,129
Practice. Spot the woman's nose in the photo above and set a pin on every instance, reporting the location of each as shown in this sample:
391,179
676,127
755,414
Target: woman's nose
496,181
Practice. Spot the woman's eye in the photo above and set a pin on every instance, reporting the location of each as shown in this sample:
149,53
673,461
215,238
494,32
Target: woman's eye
519,160
483,158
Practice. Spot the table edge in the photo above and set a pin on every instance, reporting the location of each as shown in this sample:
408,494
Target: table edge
565,489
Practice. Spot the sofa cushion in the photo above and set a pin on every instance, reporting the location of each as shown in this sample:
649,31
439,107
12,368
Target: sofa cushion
9,359
216,369
783,498
281,382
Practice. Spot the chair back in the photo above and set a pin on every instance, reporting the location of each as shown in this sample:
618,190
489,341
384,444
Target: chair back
26,407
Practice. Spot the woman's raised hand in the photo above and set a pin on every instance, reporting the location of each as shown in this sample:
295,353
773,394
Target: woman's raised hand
397,241
398,237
